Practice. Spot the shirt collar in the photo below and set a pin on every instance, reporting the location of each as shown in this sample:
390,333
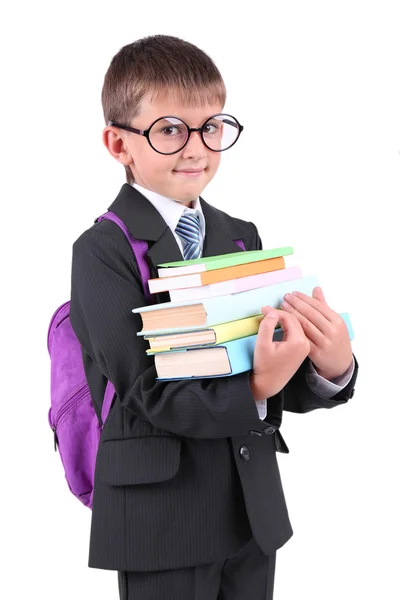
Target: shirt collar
171,210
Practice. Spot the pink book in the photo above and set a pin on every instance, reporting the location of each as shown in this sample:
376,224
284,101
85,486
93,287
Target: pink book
234,286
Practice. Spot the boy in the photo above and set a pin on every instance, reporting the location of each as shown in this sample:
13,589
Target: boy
188,502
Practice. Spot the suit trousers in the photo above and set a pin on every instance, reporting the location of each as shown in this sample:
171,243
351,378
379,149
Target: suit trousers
247,574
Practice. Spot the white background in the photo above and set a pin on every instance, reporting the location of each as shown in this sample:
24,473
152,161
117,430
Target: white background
316,85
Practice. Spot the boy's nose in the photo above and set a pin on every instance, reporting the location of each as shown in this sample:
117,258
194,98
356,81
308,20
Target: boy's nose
195,146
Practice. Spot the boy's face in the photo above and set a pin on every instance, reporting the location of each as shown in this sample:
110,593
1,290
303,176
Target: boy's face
165,174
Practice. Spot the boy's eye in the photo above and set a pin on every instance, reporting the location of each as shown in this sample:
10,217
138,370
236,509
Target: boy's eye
210,128
171,130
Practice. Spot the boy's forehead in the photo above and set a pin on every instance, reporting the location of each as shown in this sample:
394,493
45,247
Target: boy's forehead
170,104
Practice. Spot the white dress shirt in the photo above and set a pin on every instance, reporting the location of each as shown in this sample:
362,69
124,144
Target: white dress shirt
171,211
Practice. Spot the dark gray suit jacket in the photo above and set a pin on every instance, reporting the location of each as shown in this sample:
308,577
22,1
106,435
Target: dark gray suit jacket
186,471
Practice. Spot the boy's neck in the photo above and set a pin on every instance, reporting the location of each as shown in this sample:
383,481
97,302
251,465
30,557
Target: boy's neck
188,204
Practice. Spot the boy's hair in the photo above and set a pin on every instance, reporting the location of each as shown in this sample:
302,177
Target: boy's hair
153,65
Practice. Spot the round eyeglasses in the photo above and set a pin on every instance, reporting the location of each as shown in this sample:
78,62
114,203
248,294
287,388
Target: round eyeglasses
168,135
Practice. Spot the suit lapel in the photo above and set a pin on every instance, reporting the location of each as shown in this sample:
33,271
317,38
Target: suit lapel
165,249
219,239
144,222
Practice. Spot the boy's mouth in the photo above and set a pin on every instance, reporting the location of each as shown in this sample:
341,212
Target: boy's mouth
190,172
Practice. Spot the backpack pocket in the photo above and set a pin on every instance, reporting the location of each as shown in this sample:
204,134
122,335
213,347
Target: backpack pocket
77,433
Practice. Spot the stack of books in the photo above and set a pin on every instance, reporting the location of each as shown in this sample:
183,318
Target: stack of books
209,327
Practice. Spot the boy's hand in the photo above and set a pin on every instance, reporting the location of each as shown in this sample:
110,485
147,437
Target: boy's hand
275,363
330,346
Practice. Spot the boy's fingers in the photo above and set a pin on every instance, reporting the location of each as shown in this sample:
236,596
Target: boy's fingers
269,311
270,314
289,323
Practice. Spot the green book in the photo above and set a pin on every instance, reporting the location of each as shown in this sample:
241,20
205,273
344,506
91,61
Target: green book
221,261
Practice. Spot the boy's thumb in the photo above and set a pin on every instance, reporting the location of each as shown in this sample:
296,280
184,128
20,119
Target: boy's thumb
269,312
270,320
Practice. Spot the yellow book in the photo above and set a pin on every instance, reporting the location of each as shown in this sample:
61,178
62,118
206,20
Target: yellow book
233,330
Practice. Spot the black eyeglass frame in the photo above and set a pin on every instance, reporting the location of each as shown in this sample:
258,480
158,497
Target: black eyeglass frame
146,132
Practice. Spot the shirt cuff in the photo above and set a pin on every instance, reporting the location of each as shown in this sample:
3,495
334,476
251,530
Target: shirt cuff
324,388
262,408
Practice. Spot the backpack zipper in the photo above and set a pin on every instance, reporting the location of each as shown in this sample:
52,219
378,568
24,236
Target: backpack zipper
72,401
55,438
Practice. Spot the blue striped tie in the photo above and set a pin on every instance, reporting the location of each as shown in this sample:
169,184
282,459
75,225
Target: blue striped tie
188,229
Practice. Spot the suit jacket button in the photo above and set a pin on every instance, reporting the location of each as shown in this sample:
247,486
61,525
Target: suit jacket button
269,430
244,453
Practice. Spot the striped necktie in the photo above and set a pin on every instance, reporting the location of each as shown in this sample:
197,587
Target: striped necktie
188,229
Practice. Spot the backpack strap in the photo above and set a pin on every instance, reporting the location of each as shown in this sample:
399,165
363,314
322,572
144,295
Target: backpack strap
139,249
240,243
109,394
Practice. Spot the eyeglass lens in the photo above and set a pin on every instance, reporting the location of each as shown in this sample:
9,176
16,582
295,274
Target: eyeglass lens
168,135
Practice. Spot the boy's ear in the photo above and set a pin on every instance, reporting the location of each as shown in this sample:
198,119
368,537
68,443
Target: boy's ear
115,142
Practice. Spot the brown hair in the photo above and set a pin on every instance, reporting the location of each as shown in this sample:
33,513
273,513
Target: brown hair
152,65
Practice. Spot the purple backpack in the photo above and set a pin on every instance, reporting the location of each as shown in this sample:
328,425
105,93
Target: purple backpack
72,416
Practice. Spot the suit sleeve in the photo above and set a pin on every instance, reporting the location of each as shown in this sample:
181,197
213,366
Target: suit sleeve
105,287
298,395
